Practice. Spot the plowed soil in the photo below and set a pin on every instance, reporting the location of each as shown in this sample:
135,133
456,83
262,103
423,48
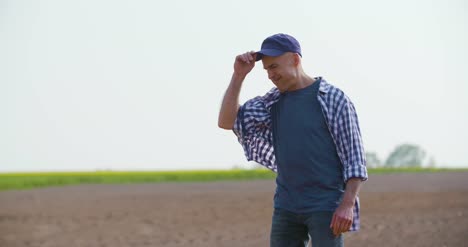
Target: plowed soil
397,210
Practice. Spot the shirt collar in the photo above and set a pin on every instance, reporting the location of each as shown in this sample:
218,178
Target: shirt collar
275,93
324,86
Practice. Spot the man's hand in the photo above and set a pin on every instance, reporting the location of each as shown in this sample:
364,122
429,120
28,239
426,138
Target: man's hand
342,218
244,63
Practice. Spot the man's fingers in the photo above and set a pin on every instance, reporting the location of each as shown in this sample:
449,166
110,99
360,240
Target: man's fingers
340,225
254,56
344,225
247,57
244,63
333,221
348,226
250,55
244,58
334,225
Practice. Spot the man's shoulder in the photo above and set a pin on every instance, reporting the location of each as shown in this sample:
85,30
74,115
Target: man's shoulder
272,94
267,99
330,91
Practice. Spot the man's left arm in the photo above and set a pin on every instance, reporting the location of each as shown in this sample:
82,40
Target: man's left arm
343,216
355,171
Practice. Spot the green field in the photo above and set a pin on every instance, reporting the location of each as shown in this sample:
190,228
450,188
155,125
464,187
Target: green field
10,181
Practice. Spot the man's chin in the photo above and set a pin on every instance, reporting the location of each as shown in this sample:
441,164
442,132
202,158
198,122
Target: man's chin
277,84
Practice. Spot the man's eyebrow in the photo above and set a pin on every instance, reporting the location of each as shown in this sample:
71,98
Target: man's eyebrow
269,66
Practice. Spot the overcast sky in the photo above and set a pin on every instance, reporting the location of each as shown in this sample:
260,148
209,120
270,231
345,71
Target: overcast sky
130,85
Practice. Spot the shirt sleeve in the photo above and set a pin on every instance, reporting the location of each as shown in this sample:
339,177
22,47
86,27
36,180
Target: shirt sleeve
350,143
253,129
252,116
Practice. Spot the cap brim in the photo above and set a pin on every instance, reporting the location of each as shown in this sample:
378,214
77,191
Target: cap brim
268,52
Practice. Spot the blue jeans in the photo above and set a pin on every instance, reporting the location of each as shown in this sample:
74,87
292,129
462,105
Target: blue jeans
293,230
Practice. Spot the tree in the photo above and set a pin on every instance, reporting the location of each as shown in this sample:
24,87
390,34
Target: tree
406,155
372,160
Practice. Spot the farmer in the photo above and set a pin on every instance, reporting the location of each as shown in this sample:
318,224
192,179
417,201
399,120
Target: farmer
307,131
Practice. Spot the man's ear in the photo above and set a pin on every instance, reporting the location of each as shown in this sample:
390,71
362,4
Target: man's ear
297,59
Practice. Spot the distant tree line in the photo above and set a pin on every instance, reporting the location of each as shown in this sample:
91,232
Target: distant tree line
404,155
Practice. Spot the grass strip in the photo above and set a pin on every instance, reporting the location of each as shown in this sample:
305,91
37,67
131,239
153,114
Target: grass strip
10,181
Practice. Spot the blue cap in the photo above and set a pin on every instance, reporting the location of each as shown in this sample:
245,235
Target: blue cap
277,45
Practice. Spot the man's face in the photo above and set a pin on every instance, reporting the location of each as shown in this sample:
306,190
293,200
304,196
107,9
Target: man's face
281,70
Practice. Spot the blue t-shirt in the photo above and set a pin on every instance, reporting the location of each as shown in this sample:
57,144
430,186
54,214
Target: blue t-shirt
310,176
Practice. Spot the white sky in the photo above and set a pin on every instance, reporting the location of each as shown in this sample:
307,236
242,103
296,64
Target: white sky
122,85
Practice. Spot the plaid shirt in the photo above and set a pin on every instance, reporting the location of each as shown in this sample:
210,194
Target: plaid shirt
254,132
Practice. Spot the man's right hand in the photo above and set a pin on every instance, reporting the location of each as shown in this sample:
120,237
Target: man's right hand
242,66
244,63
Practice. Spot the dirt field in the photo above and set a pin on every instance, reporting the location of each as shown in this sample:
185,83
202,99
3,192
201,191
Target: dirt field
397,210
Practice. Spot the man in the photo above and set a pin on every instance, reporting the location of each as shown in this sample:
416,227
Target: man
307,131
